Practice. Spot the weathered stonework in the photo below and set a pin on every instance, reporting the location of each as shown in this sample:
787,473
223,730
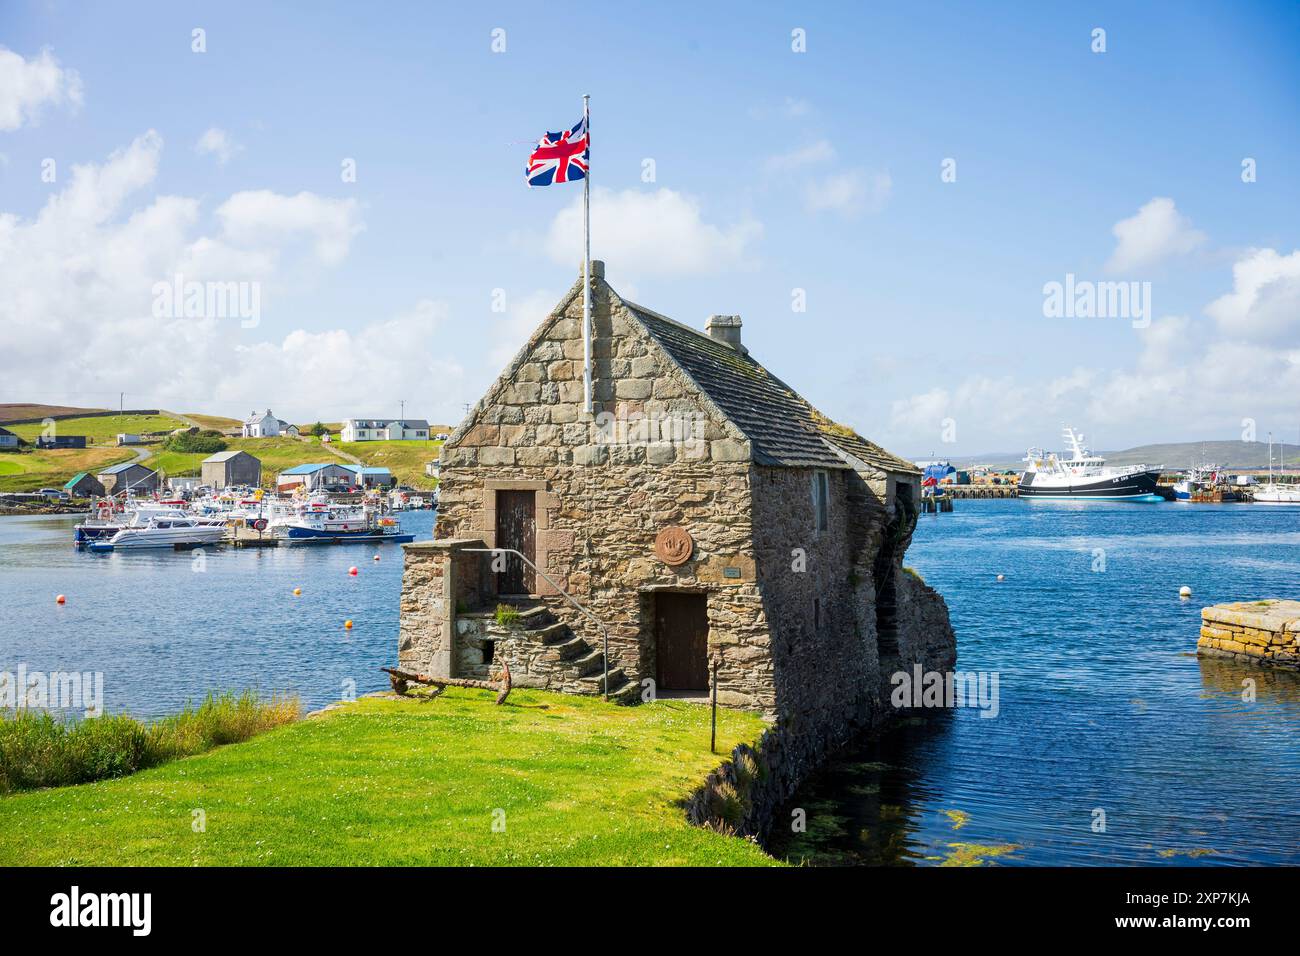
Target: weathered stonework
1258,632
808,610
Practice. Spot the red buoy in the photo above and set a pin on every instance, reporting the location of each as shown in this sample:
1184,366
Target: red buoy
352,571
60,600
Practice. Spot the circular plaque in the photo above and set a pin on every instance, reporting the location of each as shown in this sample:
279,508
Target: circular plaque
674,546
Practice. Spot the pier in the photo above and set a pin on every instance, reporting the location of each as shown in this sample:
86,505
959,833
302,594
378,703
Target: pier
981,491
1258,632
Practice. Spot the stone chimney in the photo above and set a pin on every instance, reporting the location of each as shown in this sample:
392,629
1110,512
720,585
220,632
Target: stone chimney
597,269
726,329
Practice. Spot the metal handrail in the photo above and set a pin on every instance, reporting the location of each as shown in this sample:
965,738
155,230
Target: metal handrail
604,634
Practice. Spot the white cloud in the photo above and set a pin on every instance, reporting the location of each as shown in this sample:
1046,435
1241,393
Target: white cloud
27,86
1156,232
77,291
217,143
820,151
1185,377
265,216
1264,304
651,233
849,193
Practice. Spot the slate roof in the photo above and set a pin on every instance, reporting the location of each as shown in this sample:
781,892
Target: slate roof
117,469
225,456
780,424
867,451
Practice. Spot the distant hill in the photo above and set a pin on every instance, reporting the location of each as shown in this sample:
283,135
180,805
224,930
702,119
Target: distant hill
1173,455
216,422
25,412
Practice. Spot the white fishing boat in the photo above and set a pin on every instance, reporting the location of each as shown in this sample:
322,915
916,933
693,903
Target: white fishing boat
1085,476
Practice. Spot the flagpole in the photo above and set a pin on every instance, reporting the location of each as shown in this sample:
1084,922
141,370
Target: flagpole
586,261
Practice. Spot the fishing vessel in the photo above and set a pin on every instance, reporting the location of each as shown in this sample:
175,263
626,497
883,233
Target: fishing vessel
1204,483
1085,476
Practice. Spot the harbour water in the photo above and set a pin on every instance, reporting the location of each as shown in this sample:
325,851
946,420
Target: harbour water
1103,705
165,627
1113,743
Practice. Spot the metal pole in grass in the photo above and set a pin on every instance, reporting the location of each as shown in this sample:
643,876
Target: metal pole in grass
713,709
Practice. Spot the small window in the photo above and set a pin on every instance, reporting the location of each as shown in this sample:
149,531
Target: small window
821,500
489,651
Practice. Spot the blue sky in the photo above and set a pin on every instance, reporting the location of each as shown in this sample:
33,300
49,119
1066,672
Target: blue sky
775,171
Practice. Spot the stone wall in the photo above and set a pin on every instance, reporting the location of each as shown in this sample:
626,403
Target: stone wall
438,577
925,634
1259,632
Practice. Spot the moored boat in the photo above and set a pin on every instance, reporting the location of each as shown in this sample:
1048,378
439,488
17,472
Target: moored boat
153,530
1085,476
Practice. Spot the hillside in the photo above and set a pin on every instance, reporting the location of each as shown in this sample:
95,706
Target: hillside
29,471
22,411
405,459
103,429
216,422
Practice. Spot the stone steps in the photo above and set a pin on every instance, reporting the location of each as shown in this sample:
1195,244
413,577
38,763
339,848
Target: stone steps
575,655
597,681
588,664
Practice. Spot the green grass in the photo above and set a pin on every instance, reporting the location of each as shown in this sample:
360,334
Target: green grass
276,454
104,429
406,782
405,459
30,470
37,750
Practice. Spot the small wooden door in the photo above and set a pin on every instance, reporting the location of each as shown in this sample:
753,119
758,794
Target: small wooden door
681,641
517,529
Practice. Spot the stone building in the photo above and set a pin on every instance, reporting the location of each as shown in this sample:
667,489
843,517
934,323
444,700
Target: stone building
704,520
231,469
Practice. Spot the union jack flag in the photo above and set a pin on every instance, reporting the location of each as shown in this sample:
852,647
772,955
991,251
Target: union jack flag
560,157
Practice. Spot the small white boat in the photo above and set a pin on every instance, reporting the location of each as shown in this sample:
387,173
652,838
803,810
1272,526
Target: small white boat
1276,492
162,531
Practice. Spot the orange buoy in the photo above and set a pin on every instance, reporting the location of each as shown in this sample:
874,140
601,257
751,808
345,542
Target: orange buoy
60,600
352,571
297,592
348,624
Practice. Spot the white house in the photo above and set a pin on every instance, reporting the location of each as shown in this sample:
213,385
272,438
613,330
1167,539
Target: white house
258,425
385,429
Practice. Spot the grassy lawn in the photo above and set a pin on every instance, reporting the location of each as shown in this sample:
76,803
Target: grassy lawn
386,781
102,430
28,471
276,454
406,459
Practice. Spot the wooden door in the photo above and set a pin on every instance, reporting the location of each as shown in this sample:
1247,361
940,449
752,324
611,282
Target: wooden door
681,641
517,529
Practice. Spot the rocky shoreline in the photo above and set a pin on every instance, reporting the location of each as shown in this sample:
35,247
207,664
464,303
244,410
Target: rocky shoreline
13,505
